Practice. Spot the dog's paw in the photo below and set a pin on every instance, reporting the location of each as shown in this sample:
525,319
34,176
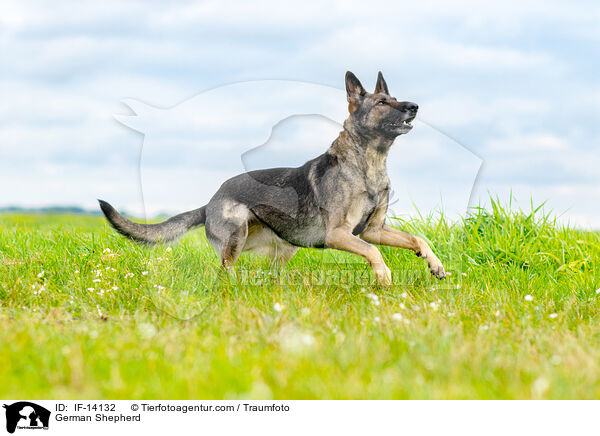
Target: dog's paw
384,276
437,269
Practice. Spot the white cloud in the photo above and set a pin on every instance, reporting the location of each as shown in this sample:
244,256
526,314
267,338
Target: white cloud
533,142
453,110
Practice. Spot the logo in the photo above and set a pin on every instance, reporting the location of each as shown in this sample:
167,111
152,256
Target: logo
26,415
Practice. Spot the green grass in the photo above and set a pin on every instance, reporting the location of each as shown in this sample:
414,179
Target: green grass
314,328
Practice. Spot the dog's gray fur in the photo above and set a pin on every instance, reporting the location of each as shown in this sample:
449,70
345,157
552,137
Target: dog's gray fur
337,200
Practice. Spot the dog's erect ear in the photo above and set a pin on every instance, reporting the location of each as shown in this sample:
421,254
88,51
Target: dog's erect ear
353,86
381,86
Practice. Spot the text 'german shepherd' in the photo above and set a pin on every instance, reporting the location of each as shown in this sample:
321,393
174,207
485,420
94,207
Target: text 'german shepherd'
337,200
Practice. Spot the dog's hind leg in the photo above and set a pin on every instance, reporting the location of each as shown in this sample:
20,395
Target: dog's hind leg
232,247
227,230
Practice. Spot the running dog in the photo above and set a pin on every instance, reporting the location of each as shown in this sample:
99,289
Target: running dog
338,200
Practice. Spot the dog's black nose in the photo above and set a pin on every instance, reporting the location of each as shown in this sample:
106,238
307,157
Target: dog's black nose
411,107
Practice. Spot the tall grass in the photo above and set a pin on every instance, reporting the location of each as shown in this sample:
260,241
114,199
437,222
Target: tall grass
85,313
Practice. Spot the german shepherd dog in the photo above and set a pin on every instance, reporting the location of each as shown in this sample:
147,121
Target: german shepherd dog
338,200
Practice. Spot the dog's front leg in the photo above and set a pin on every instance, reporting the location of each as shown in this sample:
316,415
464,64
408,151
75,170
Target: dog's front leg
387,235
342,239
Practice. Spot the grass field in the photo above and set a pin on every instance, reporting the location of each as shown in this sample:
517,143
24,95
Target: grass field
85,313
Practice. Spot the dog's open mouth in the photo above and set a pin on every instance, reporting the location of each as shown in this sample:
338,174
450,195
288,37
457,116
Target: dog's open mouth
404,124
408,122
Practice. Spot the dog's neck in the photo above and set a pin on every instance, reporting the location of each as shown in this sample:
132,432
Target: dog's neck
367,154
367,149
363,141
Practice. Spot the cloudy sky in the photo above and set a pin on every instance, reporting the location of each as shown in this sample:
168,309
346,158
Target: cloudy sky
508,91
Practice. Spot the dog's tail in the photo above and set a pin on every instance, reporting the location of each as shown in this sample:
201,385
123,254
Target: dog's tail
166,231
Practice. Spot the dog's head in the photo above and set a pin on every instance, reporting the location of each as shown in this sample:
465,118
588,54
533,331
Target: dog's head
378,114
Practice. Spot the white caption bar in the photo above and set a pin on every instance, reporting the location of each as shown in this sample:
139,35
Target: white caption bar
298,417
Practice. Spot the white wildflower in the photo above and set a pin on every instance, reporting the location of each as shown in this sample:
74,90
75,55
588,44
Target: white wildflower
146,330
553,315
294,340
374,299
540,386
308,339
528,297
278,307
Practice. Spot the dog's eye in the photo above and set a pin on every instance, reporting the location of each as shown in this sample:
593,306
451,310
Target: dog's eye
381,103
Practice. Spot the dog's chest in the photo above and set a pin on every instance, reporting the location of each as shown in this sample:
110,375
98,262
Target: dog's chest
363,207
372,193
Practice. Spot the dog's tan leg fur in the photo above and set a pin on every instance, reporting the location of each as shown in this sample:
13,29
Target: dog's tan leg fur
342,239
387,235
